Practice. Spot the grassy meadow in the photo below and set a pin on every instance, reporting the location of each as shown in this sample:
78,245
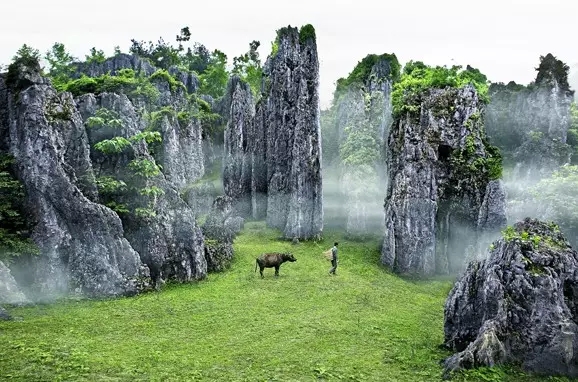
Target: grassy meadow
364,324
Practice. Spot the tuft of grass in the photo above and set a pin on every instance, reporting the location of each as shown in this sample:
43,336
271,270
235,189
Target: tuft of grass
364,324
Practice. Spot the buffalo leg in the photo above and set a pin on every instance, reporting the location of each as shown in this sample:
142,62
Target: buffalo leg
277,270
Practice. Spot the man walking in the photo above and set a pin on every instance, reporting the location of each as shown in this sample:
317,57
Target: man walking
333,259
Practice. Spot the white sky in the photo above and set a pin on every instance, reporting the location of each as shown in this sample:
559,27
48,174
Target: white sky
503,38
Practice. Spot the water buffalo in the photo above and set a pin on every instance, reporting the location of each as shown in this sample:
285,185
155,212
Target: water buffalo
272,260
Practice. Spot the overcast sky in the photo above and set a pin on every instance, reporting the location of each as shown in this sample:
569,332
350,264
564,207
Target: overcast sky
503,38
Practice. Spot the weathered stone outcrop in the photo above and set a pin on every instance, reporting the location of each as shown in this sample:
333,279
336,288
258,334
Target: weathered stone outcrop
237,158
530,123
440,196
275,155
82,245
359,126
4,316
293,136
518,306
161,227
181,150
10,292
220,228
114,64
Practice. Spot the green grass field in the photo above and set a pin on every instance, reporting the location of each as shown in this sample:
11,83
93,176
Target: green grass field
364,324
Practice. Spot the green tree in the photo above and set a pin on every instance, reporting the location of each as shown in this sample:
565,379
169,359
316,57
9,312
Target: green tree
60,65
96,55
248,67
214,78
552,69
557,199
25,56
14,229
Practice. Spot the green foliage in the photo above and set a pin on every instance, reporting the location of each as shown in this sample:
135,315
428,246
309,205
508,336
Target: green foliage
26,57
360,147
467,163
112,189
152,191
551,69
418,78
145,213
362,71
307,32
104,117
60,65
248,68
558,193
164,75
274,47
114,145
14,235
214,78
365,324
110,185
156,117
144,167
96,56
126,81
162,54
511,234
149,137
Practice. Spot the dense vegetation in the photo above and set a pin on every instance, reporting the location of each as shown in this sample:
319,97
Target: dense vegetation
364,324
14,228
418,77
360,75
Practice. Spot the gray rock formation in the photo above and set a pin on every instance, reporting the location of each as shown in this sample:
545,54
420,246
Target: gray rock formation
220,228
167,236
530,123
237,158
440,196
4,316
362,118
112,65
275,156
293,136
518,306
181,150
10,292
82,245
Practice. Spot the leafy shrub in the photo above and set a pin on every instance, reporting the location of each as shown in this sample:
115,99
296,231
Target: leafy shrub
418,78
14,229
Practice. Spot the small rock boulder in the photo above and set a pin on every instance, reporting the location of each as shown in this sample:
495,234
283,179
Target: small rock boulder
219,231
4,316
519,305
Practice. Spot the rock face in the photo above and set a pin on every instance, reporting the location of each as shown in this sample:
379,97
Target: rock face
520,305
82,245
4,316
237,158
362,118
283,146
10,293
293,148
440,197
220,228
162,228
530,123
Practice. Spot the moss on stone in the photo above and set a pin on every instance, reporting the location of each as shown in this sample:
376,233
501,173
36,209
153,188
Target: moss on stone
362,71
306,33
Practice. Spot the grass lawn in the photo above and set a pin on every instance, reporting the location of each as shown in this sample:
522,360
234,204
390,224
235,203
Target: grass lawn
364,324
